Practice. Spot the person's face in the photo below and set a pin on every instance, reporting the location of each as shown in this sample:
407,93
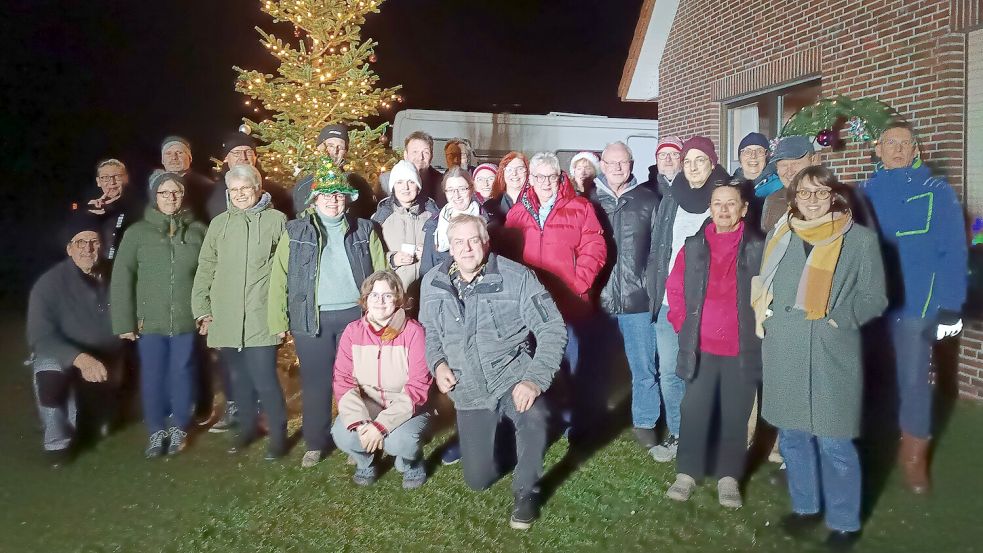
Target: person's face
583,171
896,148
726,208
467,247
335,148
454,156
668,161
243,194
406,191
330,205
111,179
515,175
753,161
616,166
241,155
545,181
458,193
84,250
812,199
419,154
484,183
697,167
381,302
170,196
176,158
788,168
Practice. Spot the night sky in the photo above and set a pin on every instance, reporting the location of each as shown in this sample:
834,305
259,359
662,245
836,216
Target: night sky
87,80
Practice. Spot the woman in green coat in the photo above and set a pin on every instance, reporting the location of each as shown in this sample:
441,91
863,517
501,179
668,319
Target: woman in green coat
229,302
821,279
150,297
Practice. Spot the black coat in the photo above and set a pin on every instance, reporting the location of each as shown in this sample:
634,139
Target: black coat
629,228
697,252
657,182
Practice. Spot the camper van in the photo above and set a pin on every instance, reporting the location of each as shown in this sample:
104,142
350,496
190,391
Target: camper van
495,134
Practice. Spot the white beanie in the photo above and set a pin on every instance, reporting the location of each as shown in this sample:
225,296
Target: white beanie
589,157
404,170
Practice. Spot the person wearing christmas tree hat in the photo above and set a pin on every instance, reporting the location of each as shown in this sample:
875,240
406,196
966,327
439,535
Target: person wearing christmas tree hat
921,224
319,265
333,142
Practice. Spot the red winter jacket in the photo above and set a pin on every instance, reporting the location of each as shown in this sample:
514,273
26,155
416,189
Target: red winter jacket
568,252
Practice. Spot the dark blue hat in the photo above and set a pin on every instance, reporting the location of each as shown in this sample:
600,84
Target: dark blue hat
753,139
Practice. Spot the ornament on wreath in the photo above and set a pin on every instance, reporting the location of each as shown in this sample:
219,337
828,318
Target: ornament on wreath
825,137
857,128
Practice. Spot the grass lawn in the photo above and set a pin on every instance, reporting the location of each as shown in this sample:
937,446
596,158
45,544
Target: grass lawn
112,499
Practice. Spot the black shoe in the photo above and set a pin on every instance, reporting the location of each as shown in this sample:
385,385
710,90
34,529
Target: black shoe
645,437
797,525
274,452
524,512
779,476
58,458
839,540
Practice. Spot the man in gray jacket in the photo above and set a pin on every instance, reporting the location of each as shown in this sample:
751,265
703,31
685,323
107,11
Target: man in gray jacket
482,313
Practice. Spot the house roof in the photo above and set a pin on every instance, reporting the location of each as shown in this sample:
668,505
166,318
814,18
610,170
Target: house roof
640,77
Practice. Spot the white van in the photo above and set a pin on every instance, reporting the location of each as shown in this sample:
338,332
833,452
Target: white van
494,134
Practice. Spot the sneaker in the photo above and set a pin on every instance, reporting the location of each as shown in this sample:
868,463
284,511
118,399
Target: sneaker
156,447
364,477
645,437
228,421
840,540
311,458
452,454
525,510
177,440
415,477
666,451
798,524
729,493
682,488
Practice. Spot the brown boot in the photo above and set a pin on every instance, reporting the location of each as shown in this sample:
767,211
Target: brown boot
913,458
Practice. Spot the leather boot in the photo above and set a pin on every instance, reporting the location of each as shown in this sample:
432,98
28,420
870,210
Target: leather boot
913,458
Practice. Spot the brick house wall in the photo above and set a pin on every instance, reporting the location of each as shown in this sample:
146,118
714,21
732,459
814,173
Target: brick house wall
911,55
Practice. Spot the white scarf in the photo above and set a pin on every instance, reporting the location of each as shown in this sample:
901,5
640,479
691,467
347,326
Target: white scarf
444,220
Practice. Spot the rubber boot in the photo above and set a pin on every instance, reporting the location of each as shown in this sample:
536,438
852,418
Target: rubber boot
913,457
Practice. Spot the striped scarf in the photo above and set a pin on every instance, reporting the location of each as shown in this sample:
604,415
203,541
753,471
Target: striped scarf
816,283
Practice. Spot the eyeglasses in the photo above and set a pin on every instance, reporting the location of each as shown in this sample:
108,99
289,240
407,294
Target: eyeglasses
625,163
336,197
382,297
515,171
892,143
666,156
456,191
82,244
697,161
110,178
755,153
543,179
242,190
168,193
821,194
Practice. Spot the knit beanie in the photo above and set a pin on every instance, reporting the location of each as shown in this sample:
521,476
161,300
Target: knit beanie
702,144
490,167
235,140
589,156
159,177
669,142
333,131
79,221
173,139
404,170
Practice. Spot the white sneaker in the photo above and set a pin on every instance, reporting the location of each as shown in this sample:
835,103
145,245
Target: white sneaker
310,459
729,493
666,451
682,488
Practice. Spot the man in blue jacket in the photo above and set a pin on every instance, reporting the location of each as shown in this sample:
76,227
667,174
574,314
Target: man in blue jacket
920,221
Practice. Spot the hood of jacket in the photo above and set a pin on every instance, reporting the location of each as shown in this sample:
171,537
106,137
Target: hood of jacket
601,182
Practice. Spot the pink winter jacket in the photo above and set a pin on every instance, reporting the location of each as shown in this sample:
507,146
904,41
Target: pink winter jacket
381,379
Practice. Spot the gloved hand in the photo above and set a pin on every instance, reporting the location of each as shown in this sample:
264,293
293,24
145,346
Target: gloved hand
945,331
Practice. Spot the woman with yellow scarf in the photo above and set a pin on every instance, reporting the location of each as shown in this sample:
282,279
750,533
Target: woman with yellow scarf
821,279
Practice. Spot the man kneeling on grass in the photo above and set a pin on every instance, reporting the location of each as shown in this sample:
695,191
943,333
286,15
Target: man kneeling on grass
481,313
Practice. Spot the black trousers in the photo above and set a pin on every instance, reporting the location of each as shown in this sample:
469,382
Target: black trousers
719,398
477,431
317,355
253,372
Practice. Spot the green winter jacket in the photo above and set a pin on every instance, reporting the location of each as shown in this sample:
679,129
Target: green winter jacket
153,273
233,278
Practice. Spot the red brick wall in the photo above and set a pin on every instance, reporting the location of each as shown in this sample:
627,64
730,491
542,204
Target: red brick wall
903,53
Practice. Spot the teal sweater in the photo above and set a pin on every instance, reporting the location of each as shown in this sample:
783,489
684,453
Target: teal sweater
336,287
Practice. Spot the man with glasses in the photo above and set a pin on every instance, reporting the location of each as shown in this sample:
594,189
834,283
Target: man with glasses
175,156
922,230
627,213
494,342
117,207
668,163
75,355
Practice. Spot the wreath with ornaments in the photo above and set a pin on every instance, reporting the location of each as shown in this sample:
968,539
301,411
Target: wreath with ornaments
864,120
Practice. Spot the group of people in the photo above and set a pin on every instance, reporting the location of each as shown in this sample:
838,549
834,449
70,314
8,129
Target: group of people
726,295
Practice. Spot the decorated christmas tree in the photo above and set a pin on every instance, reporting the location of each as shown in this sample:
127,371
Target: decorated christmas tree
324,77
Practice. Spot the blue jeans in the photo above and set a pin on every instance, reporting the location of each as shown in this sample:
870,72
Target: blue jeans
823,472
167,379
403,443
673,387
638,337
583,411
913,339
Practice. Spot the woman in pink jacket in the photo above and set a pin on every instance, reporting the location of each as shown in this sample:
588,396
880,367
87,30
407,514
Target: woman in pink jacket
382,382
